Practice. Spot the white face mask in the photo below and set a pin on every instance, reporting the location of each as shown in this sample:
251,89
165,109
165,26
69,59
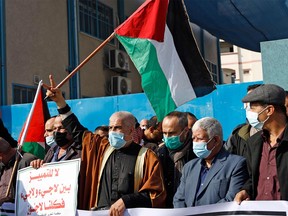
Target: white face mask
50,140
116,139
252,118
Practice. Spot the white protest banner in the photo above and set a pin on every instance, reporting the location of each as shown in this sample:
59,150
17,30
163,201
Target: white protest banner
259,208
49,190
254,208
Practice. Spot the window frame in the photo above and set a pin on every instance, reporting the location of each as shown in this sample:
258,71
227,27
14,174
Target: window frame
96,19
23,88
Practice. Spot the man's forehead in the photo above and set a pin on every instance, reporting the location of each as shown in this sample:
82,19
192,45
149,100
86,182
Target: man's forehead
144,122
49,126
51,120
170,126
58,124
199,131
114,121
255,104
58,119
170,121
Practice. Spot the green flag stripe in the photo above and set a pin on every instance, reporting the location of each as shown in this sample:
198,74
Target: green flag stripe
34,148
154,83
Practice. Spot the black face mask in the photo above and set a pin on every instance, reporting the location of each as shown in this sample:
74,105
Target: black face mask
61,139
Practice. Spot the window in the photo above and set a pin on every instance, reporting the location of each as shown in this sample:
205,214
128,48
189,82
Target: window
23,94
213,71
96,18
246,71
226,47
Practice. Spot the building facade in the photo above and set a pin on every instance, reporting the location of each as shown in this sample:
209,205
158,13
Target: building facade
45,37
240,65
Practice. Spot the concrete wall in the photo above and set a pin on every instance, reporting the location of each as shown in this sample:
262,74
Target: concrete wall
275,62
36,41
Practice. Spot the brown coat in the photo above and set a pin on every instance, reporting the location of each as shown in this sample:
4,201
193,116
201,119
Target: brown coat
93,148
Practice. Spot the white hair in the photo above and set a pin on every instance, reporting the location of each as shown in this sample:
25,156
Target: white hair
127,118
210,125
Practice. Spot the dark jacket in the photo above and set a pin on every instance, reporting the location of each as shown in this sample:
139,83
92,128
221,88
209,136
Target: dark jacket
6,135
5,176
74,152
224,179
236,143
253,155
172,169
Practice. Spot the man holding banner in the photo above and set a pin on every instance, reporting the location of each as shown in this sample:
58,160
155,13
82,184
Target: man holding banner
216,175
64,147
117,173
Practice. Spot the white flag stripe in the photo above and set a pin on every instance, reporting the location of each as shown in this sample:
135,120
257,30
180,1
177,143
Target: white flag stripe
180,87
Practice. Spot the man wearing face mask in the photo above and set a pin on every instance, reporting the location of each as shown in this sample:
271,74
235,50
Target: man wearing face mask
144,124
62,145
49,141
237,141
176,152
49,130
267,150
116,173
216,175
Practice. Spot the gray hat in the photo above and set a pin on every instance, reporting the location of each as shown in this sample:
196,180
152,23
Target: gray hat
267,94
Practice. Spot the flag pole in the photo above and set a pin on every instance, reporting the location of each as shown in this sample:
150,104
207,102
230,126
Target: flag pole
85,60
18,154
15,166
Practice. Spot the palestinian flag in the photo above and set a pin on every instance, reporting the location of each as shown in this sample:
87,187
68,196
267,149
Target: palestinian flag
32,135
160,42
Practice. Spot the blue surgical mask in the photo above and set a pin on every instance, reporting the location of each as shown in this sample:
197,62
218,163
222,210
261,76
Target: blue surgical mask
200,149
116,139
252,118
50,140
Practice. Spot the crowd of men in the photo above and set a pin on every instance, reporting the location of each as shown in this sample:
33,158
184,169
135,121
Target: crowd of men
178,162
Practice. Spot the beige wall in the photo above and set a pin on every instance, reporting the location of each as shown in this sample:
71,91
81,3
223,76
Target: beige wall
95,76
239,61
37,44
36,41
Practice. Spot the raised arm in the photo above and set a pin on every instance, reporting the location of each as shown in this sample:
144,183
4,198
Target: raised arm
69,120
